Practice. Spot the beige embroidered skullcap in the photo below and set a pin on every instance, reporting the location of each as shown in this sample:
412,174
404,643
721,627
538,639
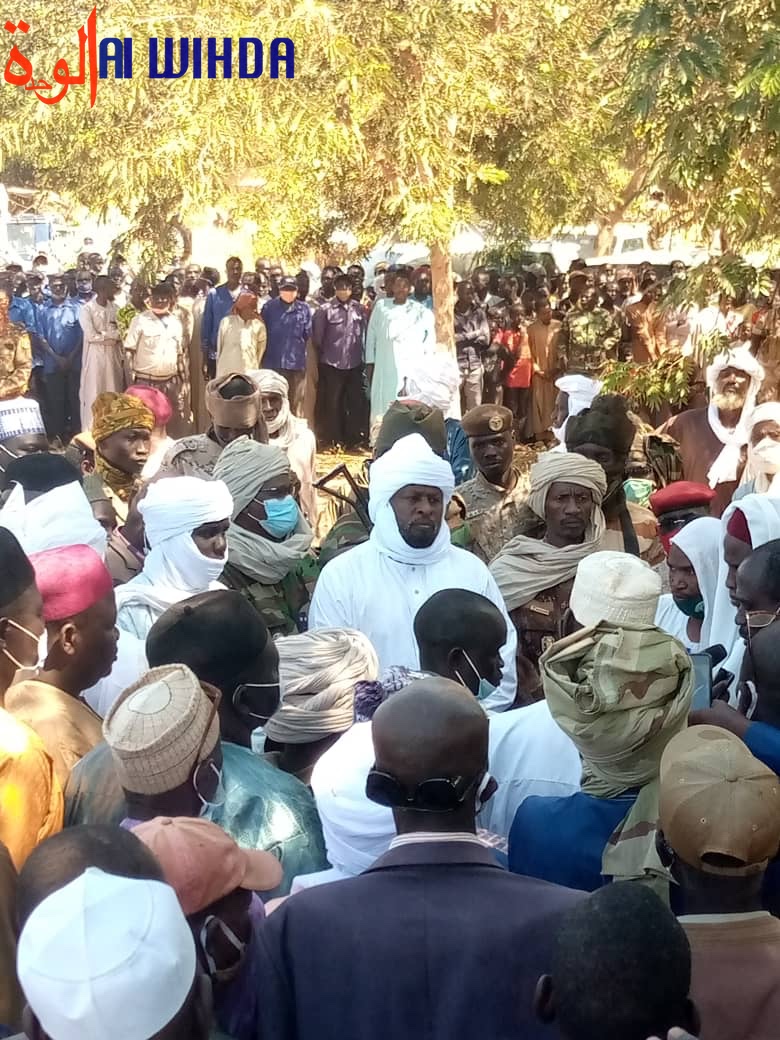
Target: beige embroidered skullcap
157,727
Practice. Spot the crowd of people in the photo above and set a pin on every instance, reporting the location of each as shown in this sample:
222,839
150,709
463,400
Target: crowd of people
494,756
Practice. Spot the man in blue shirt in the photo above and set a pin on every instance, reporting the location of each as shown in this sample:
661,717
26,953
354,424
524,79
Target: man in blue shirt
288,324
219,304
62,343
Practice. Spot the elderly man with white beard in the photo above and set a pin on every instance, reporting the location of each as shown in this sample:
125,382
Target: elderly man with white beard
711,439
378,587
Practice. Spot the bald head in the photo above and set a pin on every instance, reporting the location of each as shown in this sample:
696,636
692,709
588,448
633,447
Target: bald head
434,728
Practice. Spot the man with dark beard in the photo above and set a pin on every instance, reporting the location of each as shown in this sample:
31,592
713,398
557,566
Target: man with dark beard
711,439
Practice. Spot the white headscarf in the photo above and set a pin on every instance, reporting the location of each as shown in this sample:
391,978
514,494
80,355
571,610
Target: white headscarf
763,519
434,379
580,391
318,671
60,517
726,465
409,461
174,568
282,428
763,460
356,831
701,541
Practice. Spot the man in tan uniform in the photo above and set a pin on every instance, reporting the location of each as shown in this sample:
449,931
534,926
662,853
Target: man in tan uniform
496,495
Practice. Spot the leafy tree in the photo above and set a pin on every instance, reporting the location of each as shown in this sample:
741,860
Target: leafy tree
702,85
403,117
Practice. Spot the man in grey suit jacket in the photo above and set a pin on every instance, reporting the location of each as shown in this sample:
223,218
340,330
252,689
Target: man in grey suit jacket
435,940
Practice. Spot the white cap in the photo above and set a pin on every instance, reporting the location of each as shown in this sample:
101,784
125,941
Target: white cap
615,587
18,416
106,956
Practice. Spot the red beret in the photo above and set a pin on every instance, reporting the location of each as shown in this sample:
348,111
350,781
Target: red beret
737,527
70,580
155,400
679,495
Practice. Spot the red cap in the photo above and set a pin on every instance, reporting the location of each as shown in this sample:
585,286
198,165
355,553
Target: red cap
70,580
155,400
737,527
680,494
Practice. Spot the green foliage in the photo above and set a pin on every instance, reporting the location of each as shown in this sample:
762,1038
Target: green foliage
702,86
651,384
403,116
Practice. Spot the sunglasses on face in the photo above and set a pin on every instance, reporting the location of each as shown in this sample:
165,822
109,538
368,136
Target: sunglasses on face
439,794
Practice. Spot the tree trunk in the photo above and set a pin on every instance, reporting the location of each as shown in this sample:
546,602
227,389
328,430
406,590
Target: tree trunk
604,238
186,237
443,295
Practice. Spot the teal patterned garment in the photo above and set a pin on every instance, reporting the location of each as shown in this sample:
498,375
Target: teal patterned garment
264,807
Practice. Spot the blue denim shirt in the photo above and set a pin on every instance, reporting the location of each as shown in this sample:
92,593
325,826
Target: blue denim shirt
59,325
289,328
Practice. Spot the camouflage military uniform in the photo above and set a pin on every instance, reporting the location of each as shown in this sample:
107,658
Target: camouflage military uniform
15,362
493,514
280,605
194,456
588,340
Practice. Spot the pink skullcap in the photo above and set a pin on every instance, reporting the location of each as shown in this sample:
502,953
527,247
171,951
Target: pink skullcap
737,527
155,400
70,580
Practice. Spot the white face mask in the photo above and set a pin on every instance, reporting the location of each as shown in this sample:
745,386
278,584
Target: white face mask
764,457
42,642
191,569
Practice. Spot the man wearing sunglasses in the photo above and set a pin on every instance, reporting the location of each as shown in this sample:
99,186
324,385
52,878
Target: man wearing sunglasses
435,931
222,639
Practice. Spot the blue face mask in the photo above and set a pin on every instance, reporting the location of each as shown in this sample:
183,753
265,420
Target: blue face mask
485,688
281,516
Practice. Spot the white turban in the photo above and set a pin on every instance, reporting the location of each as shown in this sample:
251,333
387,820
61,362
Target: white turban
245,465
409,461
356,831
179,505
60,517
434,379
20,416
726,465
318,671
580,392
767,412
282,428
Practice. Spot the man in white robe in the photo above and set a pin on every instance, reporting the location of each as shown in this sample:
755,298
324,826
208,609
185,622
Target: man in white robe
379,586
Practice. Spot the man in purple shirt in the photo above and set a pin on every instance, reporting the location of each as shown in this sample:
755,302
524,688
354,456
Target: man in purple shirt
338,334
288,325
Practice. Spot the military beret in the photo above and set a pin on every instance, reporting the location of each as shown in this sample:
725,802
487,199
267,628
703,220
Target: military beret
487,419
680,494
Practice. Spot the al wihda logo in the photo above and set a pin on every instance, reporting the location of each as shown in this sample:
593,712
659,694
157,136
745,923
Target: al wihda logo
166,58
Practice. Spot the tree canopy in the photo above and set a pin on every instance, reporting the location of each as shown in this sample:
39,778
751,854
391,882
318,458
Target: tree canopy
702,88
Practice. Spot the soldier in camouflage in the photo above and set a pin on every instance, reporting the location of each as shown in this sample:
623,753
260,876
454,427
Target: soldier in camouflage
495,497
589,336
